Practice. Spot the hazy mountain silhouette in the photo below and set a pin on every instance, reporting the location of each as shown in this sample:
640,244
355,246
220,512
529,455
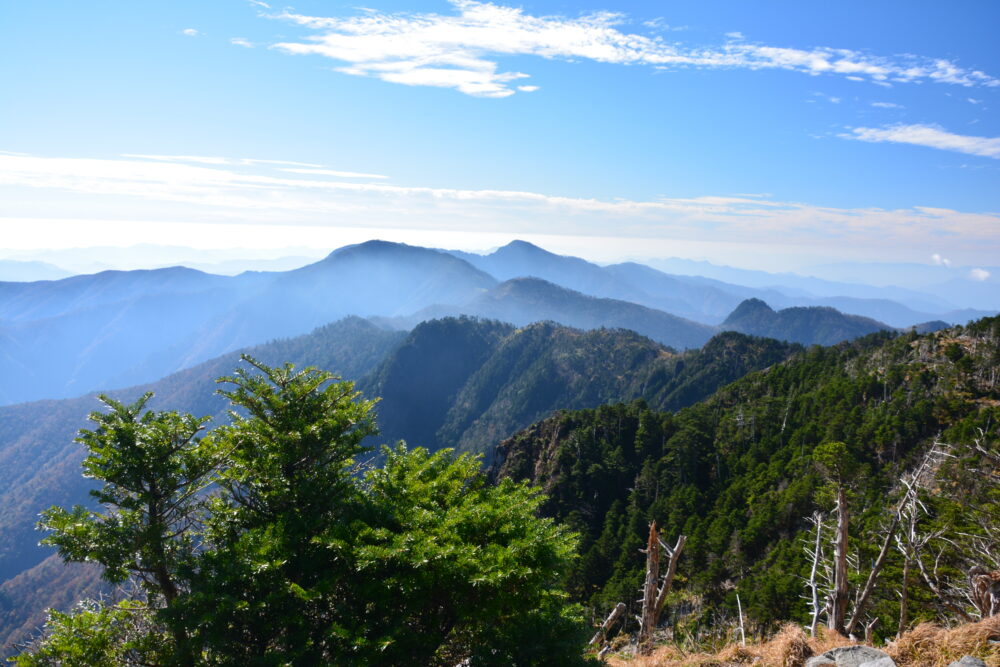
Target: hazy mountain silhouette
119,328
709,298
808,326
525,300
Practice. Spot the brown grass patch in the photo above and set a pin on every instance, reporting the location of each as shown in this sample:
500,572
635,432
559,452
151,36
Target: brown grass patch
790,647
930,645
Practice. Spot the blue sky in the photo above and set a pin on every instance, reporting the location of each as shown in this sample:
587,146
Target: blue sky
767,135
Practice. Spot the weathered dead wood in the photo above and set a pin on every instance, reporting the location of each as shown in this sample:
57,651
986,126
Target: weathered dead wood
841,591
674,555
609,622
816,554
654,592
649,590
866,592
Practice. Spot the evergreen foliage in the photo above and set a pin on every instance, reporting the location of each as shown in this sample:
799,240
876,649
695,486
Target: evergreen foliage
738,472
299,555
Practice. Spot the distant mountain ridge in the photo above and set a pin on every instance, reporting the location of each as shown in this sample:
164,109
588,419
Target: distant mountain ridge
808,326
12,270
707,296
119,328
522,301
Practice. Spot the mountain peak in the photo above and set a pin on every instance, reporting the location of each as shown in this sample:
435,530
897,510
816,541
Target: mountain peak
517,245
372,246
749,308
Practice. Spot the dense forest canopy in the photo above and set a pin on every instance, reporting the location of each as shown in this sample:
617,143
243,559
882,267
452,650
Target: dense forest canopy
738,474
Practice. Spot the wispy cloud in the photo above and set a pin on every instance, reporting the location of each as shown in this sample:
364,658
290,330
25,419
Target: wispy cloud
241,41
829,98
190,32
462,50
335,174
214,160
251,190
979,274
887,105
940,261
931,136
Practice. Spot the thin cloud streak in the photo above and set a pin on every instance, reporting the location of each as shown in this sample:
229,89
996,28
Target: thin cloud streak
930,136
461,51
246,190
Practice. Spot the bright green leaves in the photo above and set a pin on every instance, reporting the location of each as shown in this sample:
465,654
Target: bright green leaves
153,468
462,565
98,636
293,437
264,542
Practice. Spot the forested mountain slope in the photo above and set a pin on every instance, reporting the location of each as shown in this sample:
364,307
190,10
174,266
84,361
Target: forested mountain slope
809,326
736,473
470,383
454,382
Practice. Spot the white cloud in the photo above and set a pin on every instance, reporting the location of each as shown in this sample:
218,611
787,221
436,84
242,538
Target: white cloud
659,23
940,261
735,35
241,41
887,105
527,89
829,98
462,50
335,174
979,274
204,159
931,136
190,32
974,101
254,191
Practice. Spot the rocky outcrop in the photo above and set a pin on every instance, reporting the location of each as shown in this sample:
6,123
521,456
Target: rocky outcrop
852,656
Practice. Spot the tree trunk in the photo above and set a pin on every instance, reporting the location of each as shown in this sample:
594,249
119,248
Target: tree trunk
866,592
612,618
813,584
668,578
649,591
838,606
904,598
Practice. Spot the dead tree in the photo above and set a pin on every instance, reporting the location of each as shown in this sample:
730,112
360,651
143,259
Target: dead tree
912,483
655,589
841,590
609,622
816,556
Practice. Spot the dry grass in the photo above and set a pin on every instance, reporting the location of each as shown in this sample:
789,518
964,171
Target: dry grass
791,647
929,645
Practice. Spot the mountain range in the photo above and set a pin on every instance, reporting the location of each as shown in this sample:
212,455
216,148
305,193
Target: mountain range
65,337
